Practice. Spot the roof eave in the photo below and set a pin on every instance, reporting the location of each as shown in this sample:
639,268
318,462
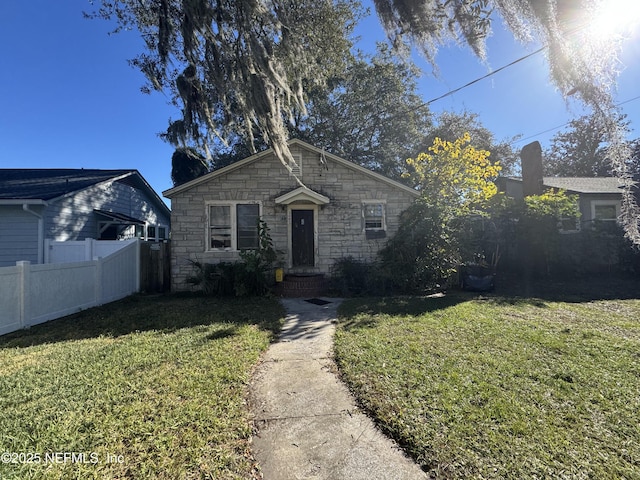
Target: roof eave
356,167
23,201
216,173
230,168
154,194
159,202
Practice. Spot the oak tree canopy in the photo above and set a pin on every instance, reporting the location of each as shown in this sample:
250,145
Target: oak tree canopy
244,65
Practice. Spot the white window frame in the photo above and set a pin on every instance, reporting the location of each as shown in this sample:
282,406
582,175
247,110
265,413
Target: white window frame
234,222
383,203
596,203
155,238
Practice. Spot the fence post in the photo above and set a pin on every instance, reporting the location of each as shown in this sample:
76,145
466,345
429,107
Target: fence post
25,286
47,250
99,290
138,260
88,249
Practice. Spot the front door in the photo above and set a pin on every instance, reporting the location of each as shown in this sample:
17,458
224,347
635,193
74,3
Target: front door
302,245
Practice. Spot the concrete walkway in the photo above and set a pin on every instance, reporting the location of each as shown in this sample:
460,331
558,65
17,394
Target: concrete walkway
308,426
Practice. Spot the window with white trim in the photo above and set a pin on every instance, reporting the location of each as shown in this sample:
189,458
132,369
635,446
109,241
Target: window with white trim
220,226
233,226
247,231
373,214
605,210
152,232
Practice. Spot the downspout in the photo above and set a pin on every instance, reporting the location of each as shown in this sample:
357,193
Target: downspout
25,207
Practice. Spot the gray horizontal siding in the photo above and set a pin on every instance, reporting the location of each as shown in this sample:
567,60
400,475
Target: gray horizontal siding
73,217
18,236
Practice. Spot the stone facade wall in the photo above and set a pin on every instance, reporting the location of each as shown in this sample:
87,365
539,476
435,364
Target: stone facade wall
340,229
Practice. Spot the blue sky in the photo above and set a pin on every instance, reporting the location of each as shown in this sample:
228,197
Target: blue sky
69,99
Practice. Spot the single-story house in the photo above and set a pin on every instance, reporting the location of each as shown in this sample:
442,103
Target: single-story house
75,204
599,198
341,210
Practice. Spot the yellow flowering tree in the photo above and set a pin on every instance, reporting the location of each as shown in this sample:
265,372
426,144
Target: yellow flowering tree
455,174
456,180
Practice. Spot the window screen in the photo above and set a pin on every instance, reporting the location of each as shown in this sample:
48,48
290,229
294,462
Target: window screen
373,216
220,226
247,217
605,212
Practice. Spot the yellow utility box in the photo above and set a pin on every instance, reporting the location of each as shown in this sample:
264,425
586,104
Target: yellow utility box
279,275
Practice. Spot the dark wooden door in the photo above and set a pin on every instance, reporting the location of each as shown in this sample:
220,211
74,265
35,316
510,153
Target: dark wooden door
302,246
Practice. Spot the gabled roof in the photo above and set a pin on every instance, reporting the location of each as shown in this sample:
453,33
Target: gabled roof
295,142
584,184
580,184
302,194
46,184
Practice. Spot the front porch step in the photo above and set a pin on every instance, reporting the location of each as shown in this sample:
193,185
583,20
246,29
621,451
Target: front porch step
312,285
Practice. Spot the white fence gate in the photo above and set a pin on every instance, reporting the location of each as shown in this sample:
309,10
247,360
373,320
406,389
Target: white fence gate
32,294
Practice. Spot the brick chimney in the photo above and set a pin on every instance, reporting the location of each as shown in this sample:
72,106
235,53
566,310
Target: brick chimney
531,162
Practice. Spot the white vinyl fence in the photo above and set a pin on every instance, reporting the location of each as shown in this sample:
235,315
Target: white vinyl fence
81,250
32,294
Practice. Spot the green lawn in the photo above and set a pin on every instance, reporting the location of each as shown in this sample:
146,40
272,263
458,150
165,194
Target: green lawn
148,387
498,387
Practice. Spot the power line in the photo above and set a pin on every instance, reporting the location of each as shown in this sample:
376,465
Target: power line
565,124
451,92
472,82
455,90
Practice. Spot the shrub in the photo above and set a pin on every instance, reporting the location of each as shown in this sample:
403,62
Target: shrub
351,277
423,255
218,279
253,275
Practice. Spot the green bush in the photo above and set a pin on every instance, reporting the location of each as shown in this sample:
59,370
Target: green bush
252,276
217,279
351,277
423,255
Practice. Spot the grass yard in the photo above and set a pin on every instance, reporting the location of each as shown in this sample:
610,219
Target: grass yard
145,388
498,387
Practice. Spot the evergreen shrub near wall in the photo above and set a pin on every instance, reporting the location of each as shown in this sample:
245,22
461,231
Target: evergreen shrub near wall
597,249
251,276
420,258
522,238
351,277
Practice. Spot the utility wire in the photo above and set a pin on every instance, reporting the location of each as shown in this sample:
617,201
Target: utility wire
493,72
472,82
564,124
451,92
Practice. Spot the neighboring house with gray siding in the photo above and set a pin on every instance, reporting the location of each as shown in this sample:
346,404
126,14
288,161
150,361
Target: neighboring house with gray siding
343,210
599,198
75,204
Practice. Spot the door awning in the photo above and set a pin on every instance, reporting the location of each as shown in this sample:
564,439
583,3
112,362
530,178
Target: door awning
302,195
119,218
